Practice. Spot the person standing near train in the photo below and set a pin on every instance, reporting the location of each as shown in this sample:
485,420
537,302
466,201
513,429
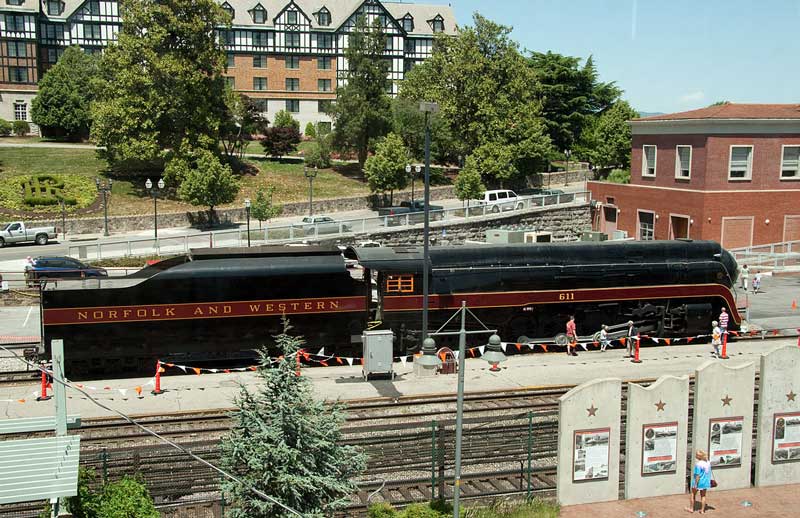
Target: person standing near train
572,337
723,320
745,277
604,338
630,336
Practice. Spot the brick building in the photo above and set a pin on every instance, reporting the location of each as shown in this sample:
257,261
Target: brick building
729,173
285,54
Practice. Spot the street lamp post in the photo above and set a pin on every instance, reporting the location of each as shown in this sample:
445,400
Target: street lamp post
154,192
428,108
63,219
105,189
247,212
310,174
413,171
566,171
494,355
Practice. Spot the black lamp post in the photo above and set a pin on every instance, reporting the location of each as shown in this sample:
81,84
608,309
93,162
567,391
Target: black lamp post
566,171
154,192
247,212
428,346
413,171
310,174
105,189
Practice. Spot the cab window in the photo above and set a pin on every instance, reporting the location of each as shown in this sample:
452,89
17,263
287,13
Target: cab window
14,226
400,284
502,195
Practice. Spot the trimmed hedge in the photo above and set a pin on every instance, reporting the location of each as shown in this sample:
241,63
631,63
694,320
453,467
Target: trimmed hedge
43,192
5,128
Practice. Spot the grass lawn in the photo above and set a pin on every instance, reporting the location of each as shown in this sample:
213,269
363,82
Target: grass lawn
129,196
254,147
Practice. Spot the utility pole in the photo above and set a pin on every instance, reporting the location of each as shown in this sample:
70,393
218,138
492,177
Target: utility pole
60,398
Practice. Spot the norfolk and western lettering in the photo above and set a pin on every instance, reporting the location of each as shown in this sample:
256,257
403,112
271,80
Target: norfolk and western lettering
252,308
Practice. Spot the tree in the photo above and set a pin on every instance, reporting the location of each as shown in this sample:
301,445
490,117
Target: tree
204,180
262,207
409,122
287,443
362,109
280,141
386,169
606,142
310,131
468,184
284,119
161,89
483,88
243,120
318,153
619,176
125,498
61,108
570,94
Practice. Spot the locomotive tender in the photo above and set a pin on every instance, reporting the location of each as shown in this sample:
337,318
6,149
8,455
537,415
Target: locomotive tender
224,303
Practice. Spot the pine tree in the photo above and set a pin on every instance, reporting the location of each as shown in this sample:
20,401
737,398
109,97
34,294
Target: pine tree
287,443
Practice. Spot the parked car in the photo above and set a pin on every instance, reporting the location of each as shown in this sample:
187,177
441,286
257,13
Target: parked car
312,225
17,232
60,268
499,200
415,210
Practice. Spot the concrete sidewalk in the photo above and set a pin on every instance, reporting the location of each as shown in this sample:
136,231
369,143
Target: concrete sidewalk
775,502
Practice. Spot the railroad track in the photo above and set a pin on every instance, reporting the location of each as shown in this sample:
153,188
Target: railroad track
19,377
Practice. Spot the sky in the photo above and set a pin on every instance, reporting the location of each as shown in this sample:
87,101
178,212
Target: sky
667,55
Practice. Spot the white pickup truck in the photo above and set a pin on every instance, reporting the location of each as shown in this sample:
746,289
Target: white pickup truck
17,232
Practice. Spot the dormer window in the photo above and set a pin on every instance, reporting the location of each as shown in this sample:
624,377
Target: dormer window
228,9
323,17
55,7
437,24
259,14
408,23
14,2
291,17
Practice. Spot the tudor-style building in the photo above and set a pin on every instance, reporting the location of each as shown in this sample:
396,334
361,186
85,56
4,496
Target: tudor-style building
728,173
283,54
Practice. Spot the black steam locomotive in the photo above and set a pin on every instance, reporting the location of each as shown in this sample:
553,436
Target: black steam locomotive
223,303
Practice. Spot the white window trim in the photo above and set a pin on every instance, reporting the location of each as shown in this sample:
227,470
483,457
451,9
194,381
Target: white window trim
794,178
749,176
678,175
688,219
639,224
644,161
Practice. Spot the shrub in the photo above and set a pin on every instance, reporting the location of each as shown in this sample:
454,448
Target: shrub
5,128
318,155
280,141
284,119
421,511
311,131
21,128
381,510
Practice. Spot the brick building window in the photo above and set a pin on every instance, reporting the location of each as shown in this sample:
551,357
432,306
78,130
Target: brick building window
325,41
14,2
647,224
389,45
15,23
790,162
292,62
94,8
260,105
18,75
259,14
16,49
259,39
20,111
648,160
259,83
740,166
292,105
324,85
230,60
410,46
92,32
259,61
324,63
54,7
292,84
291,17
324,17
683,162
293,39
408,23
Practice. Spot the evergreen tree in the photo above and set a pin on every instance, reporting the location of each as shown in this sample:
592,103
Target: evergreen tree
161,87
61,107
310,131
386,169
287,443
362,111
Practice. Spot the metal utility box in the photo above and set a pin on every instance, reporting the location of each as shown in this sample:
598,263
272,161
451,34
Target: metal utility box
377,350
504,237
538,237
594,236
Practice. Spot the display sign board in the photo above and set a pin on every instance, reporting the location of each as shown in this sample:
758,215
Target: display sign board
725,441
590,455
786,437
659,448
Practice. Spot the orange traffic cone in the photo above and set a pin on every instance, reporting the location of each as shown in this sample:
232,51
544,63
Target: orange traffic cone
794,305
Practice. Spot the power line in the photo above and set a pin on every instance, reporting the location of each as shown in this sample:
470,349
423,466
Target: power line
180,448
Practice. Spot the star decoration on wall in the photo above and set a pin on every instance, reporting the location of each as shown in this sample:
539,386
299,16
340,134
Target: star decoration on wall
660,406
790,396
592,411
726,401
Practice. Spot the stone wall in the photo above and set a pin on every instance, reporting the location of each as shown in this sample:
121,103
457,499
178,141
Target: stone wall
566,224
229,216
557,179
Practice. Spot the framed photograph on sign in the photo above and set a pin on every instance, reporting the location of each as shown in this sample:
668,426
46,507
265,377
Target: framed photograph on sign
659,448
786,437
725,441
590,454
